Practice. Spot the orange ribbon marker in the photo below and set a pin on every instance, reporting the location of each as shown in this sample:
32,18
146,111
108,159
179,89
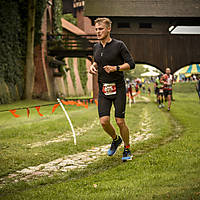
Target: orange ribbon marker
28,112
54,107
96,102
79,103
82,104
14,113
38,110
68,102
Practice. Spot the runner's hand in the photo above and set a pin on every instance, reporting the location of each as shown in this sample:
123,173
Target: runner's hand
109,68
93,70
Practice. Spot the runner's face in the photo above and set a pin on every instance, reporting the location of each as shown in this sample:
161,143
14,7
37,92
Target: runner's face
168,71
102,31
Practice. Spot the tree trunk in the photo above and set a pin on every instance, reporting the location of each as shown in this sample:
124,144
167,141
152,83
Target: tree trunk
30,68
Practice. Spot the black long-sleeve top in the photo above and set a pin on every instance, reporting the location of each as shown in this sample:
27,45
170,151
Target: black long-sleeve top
114,53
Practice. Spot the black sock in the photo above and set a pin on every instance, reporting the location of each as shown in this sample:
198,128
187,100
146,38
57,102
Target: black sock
116,138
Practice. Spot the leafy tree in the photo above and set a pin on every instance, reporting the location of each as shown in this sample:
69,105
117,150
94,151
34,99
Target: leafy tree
136,73
69,17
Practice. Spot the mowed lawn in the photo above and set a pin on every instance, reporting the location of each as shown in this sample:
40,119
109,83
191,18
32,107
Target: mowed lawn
166,166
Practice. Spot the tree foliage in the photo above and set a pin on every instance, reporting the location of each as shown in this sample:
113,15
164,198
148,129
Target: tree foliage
12,50
69,17
57,14
135,73
13,37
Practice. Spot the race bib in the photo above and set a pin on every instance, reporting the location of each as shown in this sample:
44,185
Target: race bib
161,91
109,88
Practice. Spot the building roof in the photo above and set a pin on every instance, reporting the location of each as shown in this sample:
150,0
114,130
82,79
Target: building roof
142,8
72,28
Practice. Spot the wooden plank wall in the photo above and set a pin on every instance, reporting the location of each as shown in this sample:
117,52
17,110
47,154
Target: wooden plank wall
164,50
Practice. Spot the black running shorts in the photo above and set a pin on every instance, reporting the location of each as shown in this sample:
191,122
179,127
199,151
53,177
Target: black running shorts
156,90
167,92
160,92
119,101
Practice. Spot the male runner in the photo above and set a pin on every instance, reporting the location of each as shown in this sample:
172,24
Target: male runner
111,58
129,90
160,86
168,81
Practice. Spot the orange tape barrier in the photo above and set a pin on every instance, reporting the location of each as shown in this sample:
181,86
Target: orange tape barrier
70,102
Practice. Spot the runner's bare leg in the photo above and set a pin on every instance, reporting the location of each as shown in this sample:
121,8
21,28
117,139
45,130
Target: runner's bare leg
169,101
124,131
107,126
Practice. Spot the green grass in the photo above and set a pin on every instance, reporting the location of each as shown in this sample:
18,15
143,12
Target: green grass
17,133
167,166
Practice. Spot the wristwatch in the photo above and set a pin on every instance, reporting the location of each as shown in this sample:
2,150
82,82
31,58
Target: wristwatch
118,68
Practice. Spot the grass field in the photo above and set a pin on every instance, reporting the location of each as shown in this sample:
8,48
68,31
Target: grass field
165,165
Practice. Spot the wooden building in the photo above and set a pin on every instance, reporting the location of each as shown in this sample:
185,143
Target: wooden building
50,81
146,25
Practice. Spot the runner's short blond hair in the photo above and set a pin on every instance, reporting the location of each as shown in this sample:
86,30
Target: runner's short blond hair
167,68
104,20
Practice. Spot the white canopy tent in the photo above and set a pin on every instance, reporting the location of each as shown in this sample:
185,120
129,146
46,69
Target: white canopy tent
151,73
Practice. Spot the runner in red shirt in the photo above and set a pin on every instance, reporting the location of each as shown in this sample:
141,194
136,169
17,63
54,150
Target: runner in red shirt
129,89
168,81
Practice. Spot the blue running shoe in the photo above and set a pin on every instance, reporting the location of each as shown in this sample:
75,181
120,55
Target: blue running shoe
126,155
114,146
